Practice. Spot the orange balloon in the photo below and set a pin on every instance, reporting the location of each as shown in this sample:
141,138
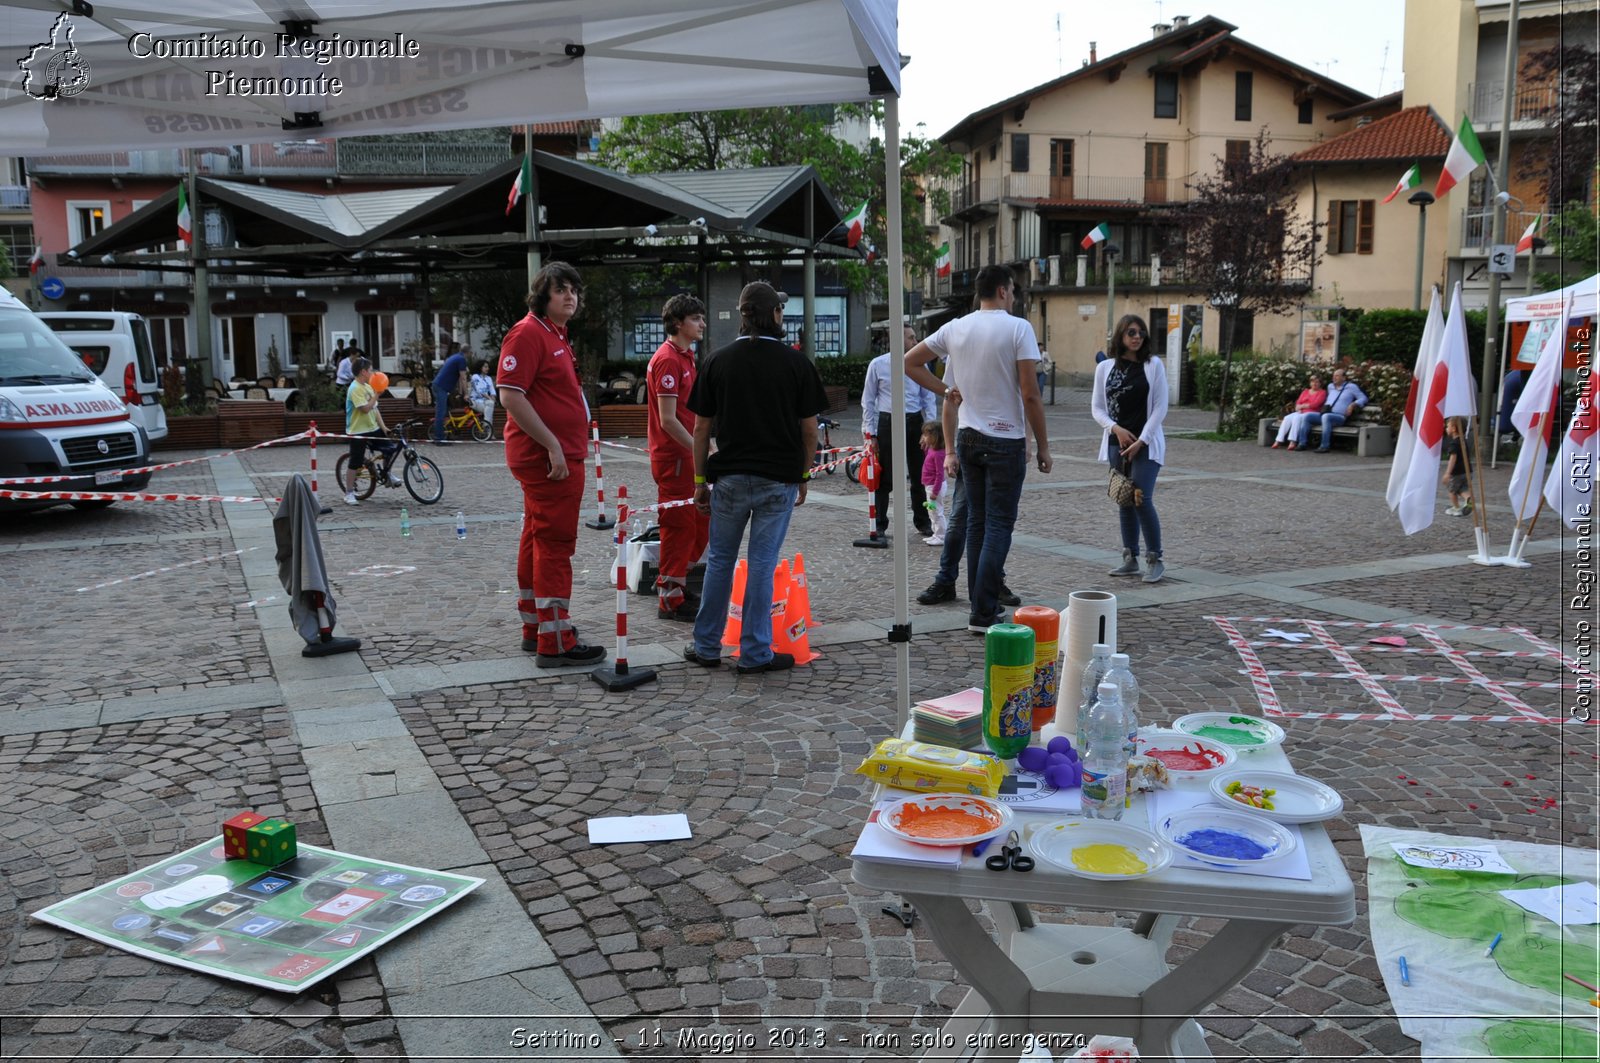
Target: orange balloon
380,382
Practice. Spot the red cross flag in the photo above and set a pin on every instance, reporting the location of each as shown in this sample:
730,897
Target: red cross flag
1449,392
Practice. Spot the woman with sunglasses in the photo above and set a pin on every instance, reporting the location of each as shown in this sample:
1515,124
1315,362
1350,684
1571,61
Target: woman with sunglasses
1130,402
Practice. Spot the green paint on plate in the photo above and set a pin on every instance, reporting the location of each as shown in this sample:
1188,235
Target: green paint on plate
1234,736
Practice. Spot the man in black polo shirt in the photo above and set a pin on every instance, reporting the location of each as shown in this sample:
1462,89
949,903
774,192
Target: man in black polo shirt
759,398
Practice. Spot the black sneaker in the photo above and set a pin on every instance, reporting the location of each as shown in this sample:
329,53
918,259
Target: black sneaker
692,657
1008,597
781,662
979,625
686,610
938,592
578,654
924,529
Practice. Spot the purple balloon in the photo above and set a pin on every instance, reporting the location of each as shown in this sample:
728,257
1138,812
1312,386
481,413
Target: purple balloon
1060,744
1033,759
1064,776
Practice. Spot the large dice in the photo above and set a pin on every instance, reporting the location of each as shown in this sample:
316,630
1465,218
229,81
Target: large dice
233,834
270,842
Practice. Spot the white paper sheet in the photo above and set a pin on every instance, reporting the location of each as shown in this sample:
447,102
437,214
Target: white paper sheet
1577,904
1162,803
1485,859
610,830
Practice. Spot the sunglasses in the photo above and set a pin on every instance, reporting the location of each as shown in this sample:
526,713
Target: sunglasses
1136,332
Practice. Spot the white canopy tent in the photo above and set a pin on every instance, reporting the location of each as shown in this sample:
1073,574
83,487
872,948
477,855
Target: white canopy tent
1549,304
127,74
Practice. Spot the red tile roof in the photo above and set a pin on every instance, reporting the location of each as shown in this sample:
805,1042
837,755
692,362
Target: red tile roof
1412,134
547,129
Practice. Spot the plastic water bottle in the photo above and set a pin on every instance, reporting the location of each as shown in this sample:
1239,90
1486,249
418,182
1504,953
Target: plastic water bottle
1105,760
461,524
1121,676
405,523
1093,673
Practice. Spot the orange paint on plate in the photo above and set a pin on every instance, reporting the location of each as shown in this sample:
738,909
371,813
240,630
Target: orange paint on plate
943,822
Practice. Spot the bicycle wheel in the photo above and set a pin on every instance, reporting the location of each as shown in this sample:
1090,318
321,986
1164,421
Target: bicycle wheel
365,484
852,468
424,480
482,430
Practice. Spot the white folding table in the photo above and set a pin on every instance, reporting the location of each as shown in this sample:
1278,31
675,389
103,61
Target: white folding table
1066,978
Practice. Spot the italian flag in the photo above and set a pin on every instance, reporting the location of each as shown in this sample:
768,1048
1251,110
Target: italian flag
185,225
36,262
941,265
1526,242
1408,180
521,185
855,224
1465,156
1096,235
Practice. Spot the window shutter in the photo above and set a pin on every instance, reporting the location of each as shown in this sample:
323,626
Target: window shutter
1364,227
1019,153
1333,226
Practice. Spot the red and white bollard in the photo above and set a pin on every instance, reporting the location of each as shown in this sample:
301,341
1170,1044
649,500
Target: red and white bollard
601,521
619,677
311,430
869,479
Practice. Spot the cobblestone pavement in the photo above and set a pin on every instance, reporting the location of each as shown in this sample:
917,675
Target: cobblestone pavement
754,927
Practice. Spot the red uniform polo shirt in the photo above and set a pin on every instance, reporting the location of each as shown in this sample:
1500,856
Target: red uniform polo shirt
537,360
671,373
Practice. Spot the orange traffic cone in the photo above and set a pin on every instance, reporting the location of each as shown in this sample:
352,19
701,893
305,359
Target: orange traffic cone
791,626
730,633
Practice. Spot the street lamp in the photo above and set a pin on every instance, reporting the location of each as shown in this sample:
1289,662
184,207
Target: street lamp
1110,251
1420,199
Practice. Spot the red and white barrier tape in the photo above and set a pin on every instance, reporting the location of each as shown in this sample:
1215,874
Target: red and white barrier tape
1265,694
1471,672
1351,665
156,468
125,496
1460,680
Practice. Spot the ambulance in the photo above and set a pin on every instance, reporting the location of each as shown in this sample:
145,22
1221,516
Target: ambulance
58,418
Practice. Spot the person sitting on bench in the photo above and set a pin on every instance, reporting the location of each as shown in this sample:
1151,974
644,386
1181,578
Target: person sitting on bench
1345,399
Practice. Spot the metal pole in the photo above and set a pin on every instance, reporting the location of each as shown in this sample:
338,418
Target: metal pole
809,280
1111,296
901,633
530,204
202,275
1502,167
1422,240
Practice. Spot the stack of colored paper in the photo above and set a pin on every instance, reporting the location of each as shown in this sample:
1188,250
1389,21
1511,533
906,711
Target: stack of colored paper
955,720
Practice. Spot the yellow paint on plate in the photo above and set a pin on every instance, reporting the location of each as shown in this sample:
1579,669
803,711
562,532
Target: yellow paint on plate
1107,859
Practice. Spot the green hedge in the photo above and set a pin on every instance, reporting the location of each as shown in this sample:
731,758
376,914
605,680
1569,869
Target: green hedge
1260,387
1395,335
848,370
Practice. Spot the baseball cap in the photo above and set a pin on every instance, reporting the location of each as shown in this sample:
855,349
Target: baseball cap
760,297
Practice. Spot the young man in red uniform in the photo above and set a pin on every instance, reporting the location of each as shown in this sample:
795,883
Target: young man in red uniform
547,439
683,528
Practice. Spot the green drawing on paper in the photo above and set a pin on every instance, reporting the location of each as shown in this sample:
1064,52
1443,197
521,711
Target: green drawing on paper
1533,1041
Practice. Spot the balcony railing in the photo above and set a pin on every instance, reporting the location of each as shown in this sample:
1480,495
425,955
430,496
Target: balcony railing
1097,189
14,197
1477,227
285,158
973,193
1529,103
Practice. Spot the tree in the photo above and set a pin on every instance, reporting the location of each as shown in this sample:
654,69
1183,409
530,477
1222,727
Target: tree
1244,245
7,270
792,136
1562,84
1574,238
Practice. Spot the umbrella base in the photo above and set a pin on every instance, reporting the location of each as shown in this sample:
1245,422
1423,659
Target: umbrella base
623,678
329,647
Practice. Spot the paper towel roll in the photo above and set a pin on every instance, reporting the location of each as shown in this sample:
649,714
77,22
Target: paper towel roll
1091,618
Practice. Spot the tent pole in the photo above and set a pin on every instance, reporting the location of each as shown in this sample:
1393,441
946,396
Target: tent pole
530,204
810,280
900,635
202,275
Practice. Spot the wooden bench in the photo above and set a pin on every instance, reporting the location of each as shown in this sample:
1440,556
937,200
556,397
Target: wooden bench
248,421
1373,438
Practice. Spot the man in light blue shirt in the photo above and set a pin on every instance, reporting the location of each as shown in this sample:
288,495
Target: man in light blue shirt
877,427
1345,399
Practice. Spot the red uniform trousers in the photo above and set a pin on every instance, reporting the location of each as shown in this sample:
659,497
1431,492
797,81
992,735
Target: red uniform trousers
684,531
544,557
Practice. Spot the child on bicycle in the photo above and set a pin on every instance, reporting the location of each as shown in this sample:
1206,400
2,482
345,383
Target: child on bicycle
363,419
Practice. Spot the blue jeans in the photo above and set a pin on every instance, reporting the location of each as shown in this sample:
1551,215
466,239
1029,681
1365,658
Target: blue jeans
992,469
441,410
955,537
1139,518
1329,421
767,506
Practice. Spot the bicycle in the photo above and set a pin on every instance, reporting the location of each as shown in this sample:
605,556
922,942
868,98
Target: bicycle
421,476
467,419
824,461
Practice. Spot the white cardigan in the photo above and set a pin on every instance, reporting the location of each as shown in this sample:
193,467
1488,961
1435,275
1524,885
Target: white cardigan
1155,440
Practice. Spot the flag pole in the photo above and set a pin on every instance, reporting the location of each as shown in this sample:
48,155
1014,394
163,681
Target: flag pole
1480,521
1515,556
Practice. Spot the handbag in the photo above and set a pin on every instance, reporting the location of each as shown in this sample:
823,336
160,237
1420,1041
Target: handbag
1123,491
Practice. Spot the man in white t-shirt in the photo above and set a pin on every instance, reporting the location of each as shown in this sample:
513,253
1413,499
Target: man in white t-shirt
991,360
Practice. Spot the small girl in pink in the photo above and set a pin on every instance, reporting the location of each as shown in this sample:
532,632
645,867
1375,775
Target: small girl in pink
933,478
1309,404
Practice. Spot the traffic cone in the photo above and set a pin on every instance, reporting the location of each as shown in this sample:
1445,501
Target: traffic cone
730,633
791,625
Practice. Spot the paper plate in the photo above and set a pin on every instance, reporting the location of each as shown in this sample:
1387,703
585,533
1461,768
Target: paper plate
1093,848
929,819
1185,756
1297,800
1216,835
1243,733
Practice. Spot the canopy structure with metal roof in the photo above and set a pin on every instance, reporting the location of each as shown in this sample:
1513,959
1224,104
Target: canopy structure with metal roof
587,214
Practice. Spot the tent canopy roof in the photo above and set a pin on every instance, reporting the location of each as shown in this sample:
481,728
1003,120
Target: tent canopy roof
419,64
1584,295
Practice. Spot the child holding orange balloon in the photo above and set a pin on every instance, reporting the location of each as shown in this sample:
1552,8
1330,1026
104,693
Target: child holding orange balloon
363,419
